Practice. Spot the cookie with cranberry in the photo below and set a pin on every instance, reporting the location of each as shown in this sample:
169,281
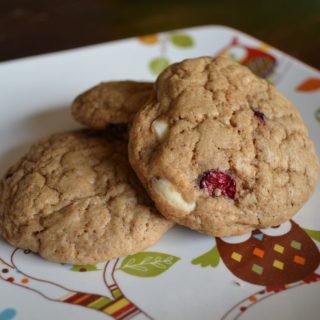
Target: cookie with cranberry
220,150
114,102
74,198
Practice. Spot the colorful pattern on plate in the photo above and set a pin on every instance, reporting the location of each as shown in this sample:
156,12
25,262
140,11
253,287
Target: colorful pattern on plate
160,283
118,306
309,85
7,314
259,259
179,40
258,60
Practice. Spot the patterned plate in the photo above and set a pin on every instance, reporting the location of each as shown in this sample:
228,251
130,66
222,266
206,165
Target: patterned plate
268,274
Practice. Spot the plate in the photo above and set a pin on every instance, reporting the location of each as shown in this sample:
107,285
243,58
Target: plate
185,275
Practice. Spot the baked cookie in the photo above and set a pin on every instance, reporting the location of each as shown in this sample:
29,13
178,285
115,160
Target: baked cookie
110,102
74,198
220,150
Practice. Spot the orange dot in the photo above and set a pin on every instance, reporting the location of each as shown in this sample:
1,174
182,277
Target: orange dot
258,252
299,260
149,39
25,280
253,298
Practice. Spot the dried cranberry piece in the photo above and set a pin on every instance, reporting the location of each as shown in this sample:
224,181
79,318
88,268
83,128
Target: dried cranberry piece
216,183
260,115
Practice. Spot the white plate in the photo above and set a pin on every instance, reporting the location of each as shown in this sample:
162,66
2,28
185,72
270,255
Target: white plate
182,282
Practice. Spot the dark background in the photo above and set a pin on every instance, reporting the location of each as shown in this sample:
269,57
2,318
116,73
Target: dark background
29,27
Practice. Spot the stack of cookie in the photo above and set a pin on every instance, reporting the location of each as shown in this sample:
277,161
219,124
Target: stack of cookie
215,148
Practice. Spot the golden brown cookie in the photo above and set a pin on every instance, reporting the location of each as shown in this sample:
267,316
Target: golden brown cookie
110,103
74,198
220,150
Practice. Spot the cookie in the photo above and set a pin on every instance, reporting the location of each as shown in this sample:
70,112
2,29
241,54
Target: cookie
110,102
73,198
220,150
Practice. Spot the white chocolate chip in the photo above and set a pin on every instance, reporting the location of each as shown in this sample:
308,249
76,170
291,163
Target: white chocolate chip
160,127
165,188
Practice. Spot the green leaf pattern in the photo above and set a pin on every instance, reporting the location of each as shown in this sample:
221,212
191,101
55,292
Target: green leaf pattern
181,40
157,65
210,258
314,234
147,264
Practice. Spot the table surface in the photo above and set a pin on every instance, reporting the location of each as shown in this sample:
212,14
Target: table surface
30,27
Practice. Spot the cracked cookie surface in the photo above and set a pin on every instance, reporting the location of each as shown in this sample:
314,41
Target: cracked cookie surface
74,198
111,102
220,150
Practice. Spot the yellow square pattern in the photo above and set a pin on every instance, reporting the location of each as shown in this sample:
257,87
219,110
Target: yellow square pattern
236,256
278,264
278,248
